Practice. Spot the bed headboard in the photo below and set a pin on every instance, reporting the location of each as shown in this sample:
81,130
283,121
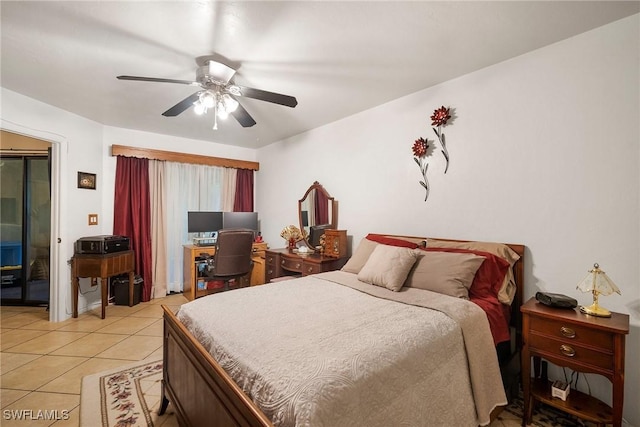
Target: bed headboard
518,274
518,277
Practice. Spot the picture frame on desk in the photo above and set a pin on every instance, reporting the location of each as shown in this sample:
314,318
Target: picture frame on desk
87,180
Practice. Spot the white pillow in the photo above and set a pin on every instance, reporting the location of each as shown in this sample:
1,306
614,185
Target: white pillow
388,266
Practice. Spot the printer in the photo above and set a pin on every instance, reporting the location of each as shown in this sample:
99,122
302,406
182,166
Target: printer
105,244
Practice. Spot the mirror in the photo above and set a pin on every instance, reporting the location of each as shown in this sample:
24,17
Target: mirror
317,208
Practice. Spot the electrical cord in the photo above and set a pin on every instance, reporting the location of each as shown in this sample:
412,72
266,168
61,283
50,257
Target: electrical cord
575,377
586,380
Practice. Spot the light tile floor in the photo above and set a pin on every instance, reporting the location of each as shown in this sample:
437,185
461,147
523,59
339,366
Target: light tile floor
42,363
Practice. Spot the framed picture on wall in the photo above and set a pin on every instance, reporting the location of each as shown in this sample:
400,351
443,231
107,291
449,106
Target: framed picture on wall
87,180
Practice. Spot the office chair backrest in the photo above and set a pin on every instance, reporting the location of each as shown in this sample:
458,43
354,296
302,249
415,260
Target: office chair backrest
233,253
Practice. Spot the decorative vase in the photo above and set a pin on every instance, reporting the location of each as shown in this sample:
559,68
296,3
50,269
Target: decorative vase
292,243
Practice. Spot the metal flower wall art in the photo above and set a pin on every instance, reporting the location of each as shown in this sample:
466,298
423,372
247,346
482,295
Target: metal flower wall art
422,147
439,118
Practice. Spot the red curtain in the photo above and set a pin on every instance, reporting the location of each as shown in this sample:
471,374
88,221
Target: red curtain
322,208
244,191
132,214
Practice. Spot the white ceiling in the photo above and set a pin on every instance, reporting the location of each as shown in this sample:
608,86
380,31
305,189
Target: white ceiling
336,58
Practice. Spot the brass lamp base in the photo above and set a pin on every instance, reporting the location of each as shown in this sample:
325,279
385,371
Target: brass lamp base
595,310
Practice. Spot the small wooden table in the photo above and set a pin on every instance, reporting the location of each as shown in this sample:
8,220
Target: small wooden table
102,266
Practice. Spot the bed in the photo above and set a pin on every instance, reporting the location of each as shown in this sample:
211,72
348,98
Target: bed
376,343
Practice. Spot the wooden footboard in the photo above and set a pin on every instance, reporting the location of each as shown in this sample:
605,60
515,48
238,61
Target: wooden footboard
201,392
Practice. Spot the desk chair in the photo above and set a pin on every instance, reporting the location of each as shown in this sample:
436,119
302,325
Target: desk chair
232,258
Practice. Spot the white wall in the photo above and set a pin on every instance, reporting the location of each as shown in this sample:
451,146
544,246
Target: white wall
544,152
84,145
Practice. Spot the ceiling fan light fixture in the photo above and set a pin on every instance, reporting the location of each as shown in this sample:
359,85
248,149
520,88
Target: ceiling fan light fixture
208,99
223,114
230,104
199,108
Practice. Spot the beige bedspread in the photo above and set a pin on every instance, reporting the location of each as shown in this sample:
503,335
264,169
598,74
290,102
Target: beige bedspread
321,351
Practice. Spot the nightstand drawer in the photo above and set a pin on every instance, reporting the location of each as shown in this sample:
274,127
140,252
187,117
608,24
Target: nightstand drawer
571,352
572,333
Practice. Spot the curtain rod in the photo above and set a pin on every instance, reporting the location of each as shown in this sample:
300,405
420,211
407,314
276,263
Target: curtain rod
147,153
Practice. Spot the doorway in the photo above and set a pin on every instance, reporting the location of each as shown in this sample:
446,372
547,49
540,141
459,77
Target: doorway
25,225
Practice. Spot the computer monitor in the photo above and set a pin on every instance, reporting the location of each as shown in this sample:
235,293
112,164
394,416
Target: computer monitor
240,220
315,231
204,222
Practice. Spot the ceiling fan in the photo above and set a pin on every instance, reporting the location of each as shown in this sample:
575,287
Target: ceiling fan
218,93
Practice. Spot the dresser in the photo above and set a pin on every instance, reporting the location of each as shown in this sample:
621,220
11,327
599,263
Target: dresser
284,262
583,343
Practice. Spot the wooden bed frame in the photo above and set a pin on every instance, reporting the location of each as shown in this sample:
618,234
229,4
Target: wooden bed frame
202,393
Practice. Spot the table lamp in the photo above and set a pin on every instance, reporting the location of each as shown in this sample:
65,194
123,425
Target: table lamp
598,283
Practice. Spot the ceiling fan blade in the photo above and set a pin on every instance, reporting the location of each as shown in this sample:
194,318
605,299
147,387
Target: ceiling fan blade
264,95
158,80
182,105
243,117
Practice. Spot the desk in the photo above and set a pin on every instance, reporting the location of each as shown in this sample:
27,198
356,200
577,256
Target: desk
102,266
190,270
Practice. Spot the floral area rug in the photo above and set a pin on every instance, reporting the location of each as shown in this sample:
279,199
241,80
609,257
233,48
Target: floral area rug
127,396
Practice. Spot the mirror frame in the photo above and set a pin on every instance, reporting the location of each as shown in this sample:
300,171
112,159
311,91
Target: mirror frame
333,208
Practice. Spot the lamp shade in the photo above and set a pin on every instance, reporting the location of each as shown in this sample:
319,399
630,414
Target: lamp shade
598,283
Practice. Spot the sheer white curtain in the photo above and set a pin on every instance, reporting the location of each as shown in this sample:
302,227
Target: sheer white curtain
157,199
186,188
229,189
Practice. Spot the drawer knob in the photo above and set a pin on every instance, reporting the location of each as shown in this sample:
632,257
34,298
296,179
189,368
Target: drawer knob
298,265
310,269
567,332
282,262
567,350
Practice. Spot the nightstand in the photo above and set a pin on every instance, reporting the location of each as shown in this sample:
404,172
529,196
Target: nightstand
568,338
